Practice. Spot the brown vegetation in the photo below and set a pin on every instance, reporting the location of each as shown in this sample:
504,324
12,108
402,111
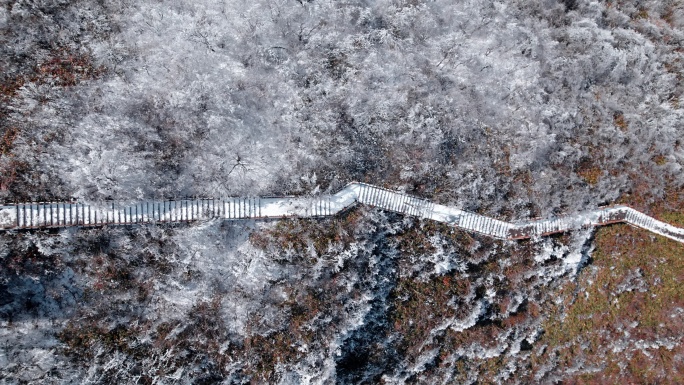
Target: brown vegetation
419,307
620,122
589,170
630,294
62,68
305,235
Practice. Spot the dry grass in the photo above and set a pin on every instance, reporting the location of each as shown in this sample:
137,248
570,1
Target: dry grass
641,14
67,69
589,170
421,306
636,279
303,235
660,160
620,122
8,139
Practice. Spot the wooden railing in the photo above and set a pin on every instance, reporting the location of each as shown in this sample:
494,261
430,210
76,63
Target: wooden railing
64,214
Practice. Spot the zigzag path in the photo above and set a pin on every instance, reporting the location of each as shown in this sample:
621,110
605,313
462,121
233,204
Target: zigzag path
64,214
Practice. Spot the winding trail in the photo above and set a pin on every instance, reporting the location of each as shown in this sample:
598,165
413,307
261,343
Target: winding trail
65,214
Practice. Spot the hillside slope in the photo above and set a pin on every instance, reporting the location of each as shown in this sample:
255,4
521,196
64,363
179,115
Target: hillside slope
512,110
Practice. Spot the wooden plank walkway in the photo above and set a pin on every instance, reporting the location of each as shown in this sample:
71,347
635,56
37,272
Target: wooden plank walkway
66,214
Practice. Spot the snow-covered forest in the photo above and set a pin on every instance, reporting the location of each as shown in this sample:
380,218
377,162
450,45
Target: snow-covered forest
511,109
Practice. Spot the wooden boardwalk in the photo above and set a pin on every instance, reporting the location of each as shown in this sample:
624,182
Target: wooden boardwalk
65,214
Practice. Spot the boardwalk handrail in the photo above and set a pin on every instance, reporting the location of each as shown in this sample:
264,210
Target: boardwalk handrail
65,214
